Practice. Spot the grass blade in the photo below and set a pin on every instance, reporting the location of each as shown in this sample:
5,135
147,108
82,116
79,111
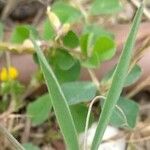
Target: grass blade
59,102
117,82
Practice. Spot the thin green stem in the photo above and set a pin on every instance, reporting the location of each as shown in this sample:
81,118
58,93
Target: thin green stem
88,118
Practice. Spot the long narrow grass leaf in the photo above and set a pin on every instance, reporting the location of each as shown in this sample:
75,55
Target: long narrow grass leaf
59,102
117,82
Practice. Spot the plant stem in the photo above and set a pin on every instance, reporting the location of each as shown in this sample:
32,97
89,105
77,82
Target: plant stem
13,141
4,46
8,60
94,79
88,118
82,9
137,4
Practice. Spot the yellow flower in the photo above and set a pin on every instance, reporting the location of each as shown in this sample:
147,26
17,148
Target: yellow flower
3,74
13,73
9,74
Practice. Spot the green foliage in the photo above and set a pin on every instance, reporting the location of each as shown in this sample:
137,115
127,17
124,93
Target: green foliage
85,43
97,45
116,87
59,102
19,34
48,31
66,12
71,74
60,58
79,113
64,65
3,105
133,75
38,111
127,117
64,60
22,32
97,31
5,87
1,31
32,30
11,86
30,146
17,87
77,92
105,7
71,40
104,49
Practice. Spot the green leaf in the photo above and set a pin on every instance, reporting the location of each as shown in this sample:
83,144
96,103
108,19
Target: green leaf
1,31
64,66
104,49
30,146
64,60
35,58
14,86
17,88
127,117
68,75
133,75
117,82
32,30
106,7
79,113
19,34
39,110
59,102
85,43
5,87
71,40
48,31
77,92
131,78
97,31
104,45
66,12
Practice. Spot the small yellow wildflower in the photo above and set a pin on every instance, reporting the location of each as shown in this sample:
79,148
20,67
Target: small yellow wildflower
3,74
11,74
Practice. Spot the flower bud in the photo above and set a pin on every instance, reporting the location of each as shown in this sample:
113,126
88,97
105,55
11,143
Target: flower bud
53,19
